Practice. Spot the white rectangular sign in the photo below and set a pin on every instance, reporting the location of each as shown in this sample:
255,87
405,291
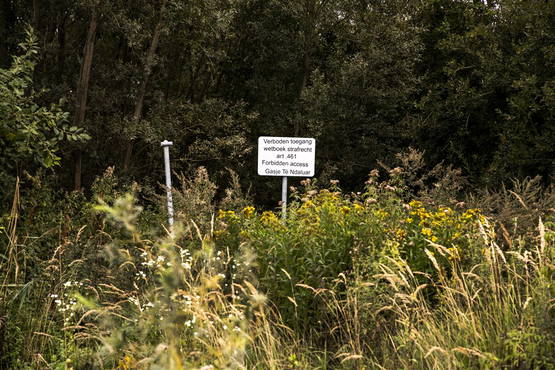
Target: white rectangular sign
286,156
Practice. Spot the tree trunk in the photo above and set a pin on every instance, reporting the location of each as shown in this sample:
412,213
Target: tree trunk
36,15
147,69
310,15
61,56
82,92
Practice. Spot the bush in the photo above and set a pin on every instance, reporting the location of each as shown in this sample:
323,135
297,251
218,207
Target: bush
387,277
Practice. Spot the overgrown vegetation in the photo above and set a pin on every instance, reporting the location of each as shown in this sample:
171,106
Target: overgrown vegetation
383,278
443,257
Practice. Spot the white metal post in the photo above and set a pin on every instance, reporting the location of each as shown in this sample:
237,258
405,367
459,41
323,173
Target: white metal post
284,197
166,145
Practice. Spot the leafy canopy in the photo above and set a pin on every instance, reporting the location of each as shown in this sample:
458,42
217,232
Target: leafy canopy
30,134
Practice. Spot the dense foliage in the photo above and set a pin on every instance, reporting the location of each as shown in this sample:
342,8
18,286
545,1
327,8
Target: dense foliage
385,278
444,258
467,82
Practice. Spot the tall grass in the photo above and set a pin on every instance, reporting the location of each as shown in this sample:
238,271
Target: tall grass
498,313
171,303
368,280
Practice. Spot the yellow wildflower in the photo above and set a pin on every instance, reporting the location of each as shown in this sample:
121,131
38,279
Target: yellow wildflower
248,211
400,233
307,204
226,214
380,213
415,204
269,218
427,231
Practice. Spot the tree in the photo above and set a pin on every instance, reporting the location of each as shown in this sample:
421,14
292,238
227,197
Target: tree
460,91
83,89
527,130
30,134
485,101
359,102
147,70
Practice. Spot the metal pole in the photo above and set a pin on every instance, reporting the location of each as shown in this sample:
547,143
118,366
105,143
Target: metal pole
284,197
166,145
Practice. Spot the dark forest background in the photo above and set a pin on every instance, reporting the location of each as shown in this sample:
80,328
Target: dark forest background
90,84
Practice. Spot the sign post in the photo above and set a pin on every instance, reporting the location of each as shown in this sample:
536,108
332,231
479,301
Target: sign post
166,145
284,197
285,157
